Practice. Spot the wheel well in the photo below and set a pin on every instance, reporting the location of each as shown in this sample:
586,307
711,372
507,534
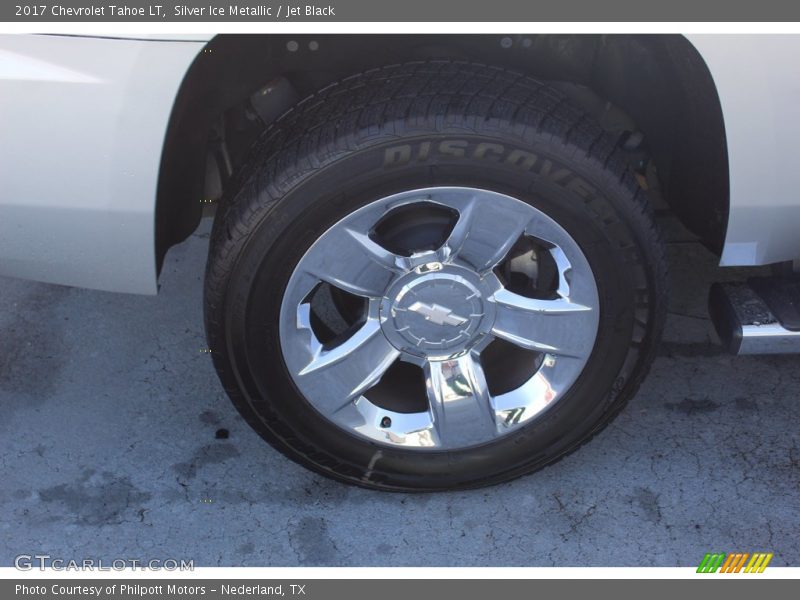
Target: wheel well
239,83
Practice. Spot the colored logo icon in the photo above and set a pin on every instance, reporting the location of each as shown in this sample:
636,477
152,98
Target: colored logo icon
735,562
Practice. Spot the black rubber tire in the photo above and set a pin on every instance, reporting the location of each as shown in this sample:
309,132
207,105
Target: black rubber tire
410,126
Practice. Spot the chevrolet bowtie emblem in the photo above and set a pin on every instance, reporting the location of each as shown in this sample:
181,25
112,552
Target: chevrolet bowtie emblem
441,315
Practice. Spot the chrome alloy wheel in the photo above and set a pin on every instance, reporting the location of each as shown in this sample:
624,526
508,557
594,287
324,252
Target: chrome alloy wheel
439,318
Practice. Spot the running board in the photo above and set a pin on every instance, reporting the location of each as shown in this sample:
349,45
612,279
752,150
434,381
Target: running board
761,316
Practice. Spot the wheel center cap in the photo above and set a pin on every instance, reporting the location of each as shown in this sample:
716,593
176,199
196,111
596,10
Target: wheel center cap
436,312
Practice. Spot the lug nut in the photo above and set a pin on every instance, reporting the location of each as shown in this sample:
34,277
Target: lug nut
386,422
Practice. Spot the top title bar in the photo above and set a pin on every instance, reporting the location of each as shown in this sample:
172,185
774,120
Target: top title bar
210,11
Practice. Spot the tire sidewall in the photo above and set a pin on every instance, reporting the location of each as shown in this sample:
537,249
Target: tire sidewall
572,189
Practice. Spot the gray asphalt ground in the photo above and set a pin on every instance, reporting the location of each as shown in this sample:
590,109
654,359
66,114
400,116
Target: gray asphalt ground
109,410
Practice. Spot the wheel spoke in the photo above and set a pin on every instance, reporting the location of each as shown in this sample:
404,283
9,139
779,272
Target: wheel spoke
350,260
343,373
555,326
460,402
485,231
535,395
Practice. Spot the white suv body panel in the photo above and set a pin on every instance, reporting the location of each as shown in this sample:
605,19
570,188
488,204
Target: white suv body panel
758,83
82,126
83,122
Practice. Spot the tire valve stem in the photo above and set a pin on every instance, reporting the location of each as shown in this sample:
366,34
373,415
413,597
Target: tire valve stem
386,422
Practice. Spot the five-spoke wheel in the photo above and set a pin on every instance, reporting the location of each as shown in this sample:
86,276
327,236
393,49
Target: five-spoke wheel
433,276
493,281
